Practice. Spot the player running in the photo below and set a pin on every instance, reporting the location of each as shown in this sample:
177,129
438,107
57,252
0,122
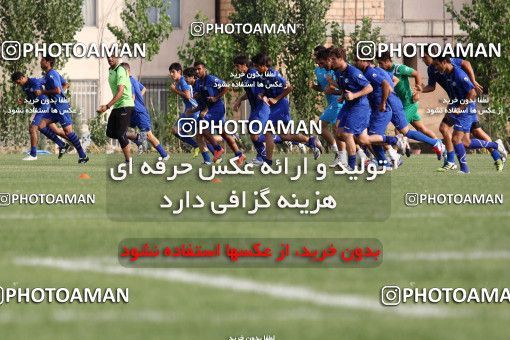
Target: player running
446,126
41,106
276,90
462,110
59,106
141,118
259,109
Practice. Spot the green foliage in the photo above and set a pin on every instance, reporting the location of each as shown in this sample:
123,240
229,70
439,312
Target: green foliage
97,127
139,28
363,32
487,22
337,34
31,21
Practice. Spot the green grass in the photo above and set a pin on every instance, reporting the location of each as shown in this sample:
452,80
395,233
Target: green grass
174,310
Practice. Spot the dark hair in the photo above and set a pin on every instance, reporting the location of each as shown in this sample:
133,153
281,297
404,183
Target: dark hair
261,59
339,53
242,60
17,76
50,60
175,66
383,56
317,49
429,48
190,72
198,63
441,58
323,54
126,66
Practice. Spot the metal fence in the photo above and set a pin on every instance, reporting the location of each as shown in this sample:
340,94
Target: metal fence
84,98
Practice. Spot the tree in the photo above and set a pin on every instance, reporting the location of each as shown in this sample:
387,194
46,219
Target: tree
487,22
363,32
30,21
141,27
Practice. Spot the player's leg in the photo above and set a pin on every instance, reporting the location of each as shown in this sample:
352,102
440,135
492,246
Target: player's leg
419,126
34,138
157,145
118,122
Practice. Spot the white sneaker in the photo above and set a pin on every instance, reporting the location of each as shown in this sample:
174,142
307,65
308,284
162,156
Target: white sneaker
401,143
167,157
337,160
502,150
395,157
30,158
302,148
257,162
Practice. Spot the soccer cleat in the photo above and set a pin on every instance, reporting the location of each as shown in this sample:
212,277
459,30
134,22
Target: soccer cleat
336,161
315,148
499,165
502,150
401,143
167,157
83,160
302,147
206,163
408,147
240,160
257,161
447,166
63,150
196,152
143,140
30,158
439,149
395,158
463,173
217,155
140,149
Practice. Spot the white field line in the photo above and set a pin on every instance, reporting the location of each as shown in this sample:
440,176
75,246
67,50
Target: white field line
274,290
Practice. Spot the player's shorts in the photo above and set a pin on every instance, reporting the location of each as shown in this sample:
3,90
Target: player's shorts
398,117
330,114
141,120
448,119
379,122
354,119
463,122
412,114
61,117
260,114
40,115
280,112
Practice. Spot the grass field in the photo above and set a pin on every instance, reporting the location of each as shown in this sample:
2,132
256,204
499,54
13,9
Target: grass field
425,246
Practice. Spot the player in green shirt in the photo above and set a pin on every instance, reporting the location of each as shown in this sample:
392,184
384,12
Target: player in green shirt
122,103
404,91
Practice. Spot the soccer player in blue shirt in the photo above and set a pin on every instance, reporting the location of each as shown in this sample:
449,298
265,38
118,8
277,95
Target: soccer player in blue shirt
211,90
185,90
141,118
446,126
60,108
276,90
353,118
324,74
462,94
41,106
259,109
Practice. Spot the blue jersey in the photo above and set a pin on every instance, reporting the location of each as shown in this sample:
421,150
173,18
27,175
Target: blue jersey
459,86
53,80
437,77
321,76
352,79
40,102
253,86
182,86
137,89
376,76
211,86
274,85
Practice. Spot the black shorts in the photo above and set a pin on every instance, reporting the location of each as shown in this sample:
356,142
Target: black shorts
118,121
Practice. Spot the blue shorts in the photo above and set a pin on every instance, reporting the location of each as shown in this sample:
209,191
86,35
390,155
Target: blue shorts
330,114
260,114
379,122
280,112
40,115
142,120
354,119
63,118
463,122
398,118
